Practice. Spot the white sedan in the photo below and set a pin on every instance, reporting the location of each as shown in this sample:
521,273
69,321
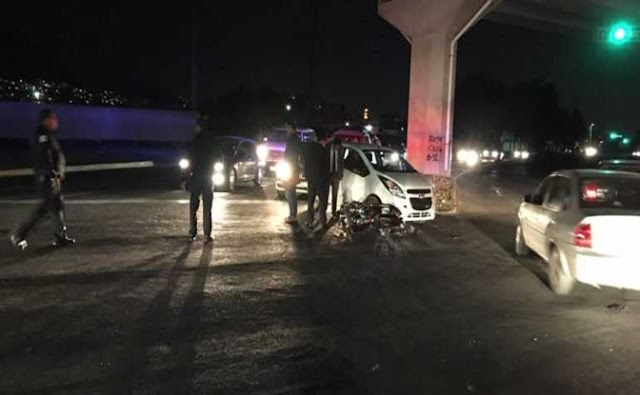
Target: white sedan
381,175
585,224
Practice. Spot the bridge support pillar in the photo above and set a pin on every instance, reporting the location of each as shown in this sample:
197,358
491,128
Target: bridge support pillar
433,27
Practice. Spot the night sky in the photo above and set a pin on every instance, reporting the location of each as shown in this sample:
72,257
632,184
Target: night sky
143,50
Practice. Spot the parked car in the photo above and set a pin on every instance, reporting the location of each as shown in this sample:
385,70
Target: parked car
377,174
585,224
238,161
275,142
353,137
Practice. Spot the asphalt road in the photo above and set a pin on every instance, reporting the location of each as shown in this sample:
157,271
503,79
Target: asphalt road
133,308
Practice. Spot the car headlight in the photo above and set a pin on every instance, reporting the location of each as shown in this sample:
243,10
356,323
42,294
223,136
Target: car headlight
218,167
283,171
472,158
485,153
524,155
184,163
495,154
517,154
462,155
262,152
394,157
218,179
393,188
590,152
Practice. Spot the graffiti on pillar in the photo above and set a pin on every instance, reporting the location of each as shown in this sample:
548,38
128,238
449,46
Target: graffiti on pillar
435,148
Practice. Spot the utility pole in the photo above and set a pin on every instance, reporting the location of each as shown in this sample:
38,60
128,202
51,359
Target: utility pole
312,55
193,86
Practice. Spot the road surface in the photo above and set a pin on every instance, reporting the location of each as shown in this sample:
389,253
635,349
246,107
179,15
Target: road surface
266,309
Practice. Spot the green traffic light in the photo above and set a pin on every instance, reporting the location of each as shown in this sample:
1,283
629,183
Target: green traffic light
626,141
615,136
621,33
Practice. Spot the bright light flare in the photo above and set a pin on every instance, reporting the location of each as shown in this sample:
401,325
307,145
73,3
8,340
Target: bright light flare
218,179
218,167
283,171
394,157
263,152
590,152
184,163
472,158
462,155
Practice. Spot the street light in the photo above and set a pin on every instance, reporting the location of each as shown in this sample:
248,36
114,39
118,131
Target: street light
593,125
288,107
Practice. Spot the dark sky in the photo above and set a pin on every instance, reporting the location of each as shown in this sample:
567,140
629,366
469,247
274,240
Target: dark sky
143,50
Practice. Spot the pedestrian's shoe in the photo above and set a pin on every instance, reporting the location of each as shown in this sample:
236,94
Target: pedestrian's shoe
18,242
64,240
192,239
208,240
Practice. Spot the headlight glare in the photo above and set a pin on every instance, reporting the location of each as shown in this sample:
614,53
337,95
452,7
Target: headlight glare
263,152
283,171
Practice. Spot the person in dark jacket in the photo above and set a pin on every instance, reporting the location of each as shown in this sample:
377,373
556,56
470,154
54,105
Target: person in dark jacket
49,170
316,172
202,155
335,150
292,157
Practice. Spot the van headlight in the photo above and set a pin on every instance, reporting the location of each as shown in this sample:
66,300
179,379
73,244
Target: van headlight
283,171
393,187
184,164
218,167
262,152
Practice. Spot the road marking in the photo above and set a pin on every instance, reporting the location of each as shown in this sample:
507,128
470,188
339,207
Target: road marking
81,168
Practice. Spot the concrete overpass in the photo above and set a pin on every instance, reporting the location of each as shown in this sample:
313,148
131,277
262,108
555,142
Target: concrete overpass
433,27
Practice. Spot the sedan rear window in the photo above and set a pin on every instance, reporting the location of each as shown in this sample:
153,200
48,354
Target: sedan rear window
610,192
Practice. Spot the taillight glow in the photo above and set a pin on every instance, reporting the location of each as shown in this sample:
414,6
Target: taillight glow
582,236
590,192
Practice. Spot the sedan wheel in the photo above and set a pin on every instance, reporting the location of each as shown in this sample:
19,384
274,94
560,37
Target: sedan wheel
560,282
520,245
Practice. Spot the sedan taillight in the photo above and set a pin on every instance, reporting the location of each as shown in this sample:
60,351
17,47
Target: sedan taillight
582,236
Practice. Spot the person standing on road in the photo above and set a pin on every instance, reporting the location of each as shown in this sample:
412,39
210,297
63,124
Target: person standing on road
292,158
201,158
49,171
316,172
336,171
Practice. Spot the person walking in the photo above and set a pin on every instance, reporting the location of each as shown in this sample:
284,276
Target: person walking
49,170
202,155
292,158
336,171
316,172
